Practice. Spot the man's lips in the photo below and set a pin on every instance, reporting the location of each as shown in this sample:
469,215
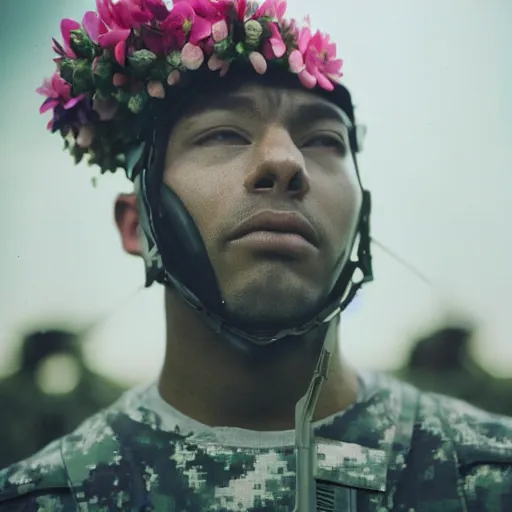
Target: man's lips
269,223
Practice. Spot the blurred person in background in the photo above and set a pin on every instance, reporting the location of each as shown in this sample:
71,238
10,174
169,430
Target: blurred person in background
249,208
442,362
50,395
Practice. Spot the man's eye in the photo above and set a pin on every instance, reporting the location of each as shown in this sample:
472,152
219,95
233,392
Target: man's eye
228,137
326,141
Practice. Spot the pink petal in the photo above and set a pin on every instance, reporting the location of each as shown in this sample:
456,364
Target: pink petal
192,56
333,67
104,12
60,86
281,9
182,10
304,39
258,62
156,90
296,61
48,105
242,7
49,126
324,82
220,31
141,17
201,29
74,101
113,37
121,14
45,89
120,52
92,24
307,79
272,9
279,47
174,77
66,26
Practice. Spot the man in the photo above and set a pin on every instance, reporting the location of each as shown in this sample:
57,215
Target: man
248,208
36,410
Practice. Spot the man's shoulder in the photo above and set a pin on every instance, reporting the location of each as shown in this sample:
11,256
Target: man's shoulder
47,477
40,478
477,435
479,444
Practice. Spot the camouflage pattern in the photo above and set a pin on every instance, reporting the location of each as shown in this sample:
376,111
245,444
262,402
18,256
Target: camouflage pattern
397,450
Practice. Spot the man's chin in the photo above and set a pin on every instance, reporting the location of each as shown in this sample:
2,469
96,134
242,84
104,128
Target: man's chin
271,319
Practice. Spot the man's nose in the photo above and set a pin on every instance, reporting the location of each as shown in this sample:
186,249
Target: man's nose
279,166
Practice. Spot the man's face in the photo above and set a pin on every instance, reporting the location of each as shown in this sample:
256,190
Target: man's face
281,158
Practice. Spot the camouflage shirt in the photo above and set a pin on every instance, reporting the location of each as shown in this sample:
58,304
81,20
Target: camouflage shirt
396,450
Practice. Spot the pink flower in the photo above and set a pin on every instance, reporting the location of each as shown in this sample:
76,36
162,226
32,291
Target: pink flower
66,27
274,9
157,7
94,25
192,56
274,46
247,10
183,25
211,10
315,60
114,22
58,92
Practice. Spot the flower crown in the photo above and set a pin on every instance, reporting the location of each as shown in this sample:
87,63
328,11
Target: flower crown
124,56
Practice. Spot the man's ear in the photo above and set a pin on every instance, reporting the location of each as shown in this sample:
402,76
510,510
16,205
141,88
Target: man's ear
126,214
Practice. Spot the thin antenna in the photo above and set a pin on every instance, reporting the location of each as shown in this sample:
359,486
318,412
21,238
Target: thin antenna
402,262
103,318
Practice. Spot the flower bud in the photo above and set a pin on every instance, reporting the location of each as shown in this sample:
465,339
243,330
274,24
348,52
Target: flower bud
141,61
137,103
253,32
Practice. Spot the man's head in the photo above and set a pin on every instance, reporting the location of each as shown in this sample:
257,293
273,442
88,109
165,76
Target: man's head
282,162
262,154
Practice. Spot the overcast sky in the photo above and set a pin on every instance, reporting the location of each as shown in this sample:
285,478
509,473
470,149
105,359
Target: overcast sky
431,79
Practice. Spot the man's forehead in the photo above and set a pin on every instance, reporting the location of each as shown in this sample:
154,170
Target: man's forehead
269,101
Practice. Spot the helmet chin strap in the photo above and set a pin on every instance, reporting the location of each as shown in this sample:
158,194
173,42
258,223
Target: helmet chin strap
175,256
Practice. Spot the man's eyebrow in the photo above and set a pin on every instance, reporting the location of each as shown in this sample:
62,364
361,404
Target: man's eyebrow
311,112
242,104
304,113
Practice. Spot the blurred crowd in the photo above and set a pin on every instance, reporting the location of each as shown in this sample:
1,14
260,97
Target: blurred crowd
50,395
54,390
442,362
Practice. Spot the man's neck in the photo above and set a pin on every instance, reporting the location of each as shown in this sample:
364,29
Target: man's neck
205,378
